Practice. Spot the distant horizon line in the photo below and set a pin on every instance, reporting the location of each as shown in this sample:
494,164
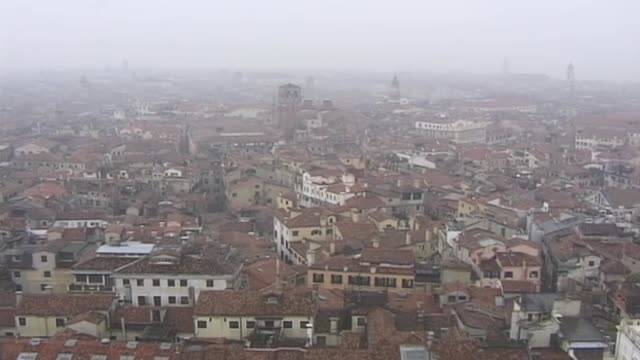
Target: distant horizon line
305,71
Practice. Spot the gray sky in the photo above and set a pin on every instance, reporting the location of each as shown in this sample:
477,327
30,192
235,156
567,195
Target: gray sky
602,37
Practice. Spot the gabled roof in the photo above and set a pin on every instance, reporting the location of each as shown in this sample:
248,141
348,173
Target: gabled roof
255,303
68,305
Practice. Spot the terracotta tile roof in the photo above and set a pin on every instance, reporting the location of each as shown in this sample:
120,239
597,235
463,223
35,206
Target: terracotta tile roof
475,239
7,299
387,256
489,265
63,304
250,302
181,317
477,316
356,231
348,264
104,263
507,353
7,317
49,349
483,294
511,259
613,267
262,273
362,202
185,265
305,218
518,287
249,246
513,242
381,216
414,301
132,315
93,317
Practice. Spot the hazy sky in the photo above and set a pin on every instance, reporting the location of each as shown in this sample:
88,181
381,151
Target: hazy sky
602,37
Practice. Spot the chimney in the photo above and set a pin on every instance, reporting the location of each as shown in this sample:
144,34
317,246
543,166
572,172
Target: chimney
332,248
355,216
123,327
376,242
311,258
18,297
407,238
192,295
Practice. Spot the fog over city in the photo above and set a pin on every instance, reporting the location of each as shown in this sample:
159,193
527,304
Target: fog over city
319,180
540,36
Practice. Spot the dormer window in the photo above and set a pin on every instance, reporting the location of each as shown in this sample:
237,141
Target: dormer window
272,298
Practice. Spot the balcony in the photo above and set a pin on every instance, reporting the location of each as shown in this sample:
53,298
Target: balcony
90,288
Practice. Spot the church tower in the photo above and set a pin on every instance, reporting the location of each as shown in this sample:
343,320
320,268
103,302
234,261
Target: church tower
288,104
394,92
571,77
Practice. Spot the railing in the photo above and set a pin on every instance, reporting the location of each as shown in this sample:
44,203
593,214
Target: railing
90,288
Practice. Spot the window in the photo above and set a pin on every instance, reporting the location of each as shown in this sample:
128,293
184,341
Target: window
385,282
44,258
321,341
533,274
251,324
171,283
530,317
294,233
157,301
155,282
316,232
361,321
304,324
234,325
318,278
269,324
155,316
336,279
140,282
508,274
209,283
183,283
16,274
202,324
126,282
43,287
18,287
329,231
184,300
359,280
451,298
462,298
287,324
142,300
172,300
407,283
22,321
592,263
47,274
